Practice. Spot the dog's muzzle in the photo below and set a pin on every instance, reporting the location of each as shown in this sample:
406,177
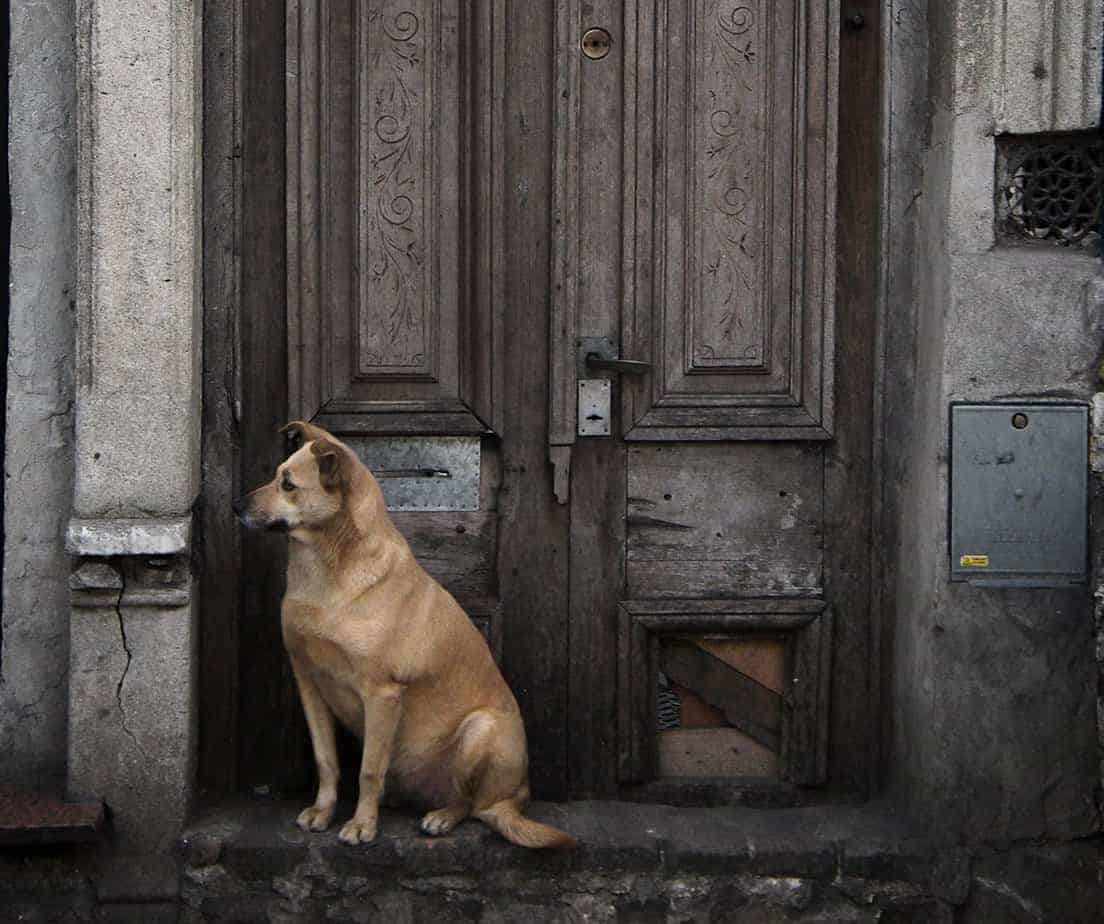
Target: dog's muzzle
241,511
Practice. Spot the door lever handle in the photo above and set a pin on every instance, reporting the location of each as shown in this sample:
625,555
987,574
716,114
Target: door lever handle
625,366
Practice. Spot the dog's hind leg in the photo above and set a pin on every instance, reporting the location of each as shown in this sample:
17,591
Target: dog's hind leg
501,789
470,756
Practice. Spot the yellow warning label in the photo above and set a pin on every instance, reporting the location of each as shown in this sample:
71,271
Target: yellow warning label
974,561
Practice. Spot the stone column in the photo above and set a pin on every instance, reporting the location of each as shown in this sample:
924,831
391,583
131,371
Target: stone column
132,712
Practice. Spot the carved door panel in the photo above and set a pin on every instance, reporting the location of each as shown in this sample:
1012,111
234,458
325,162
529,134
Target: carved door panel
391,323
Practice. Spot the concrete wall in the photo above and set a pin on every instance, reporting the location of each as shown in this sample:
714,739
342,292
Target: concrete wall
38,464
993,690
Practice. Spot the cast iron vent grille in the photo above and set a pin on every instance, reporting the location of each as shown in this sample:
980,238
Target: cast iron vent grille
1050,188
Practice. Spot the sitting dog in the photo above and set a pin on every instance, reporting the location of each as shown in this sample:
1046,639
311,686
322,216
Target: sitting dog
377,643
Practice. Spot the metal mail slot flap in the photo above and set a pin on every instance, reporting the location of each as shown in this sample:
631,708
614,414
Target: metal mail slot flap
1019,494
423,472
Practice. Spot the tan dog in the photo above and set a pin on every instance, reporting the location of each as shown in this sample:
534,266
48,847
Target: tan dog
376,642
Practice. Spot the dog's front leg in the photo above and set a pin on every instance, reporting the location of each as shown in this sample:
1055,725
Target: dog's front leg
320,721
382,708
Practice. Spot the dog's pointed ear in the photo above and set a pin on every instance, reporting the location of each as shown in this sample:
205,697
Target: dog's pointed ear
331,463
300,432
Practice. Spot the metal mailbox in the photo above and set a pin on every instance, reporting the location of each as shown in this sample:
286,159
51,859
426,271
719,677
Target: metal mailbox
1019,494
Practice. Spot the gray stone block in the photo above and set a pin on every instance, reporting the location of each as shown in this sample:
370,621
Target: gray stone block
132,718
142,878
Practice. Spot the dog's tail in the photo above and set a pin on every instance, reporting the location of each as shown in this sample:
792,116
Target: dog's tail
506,818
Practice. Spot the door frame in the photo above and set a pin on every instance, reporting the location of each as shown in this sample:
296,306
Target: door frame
558,663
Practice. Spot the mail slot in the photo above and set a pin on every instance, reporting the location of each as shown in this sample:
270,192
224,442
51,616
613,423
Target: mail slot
423,472
1019,494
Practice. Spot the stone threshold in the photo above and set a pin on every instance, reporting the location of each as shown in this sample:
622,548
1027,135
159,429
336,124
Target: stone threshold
244,858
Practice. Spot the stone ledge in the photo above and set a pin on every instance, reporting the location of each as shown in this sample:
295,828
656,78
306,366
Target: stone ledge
28,817
256,843
128,536
246,860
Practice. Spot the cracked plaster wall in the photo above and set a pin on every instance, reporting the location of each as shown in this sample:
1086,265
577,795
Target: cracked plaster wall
993,690
132,687
38,464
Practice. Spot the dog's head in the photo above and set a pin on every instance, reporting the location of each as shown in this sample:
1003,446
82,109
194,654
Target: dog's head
310,487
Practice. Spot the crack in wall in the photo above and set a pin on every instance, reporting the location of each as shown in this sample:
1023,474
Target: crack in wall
126,667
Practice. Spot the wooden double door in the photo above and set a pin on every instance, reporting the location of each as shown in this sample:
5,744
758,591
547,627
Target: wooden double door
592,285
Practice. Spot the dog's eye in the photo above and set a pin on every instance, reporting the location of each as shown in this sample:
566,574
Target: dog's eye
287,485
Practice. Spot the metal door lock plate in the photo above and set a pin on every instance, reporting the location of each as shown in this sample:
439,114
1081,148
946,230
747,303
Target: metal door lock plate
594,407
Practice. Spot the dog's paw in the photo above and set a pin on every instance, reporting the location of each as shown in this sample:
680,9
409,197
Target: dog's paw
441,821
315,818
357,832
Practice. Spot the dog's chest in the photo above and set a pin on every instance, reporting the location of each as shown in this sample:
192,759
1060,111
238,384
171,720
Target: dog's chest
332,673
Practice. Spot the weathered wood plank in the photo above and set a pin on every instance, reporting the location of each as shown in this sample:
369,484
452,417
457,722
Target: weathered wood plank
598,466
849,473
747,705
695,712
597,587
805,731
218,540
533,534
714,753
728,615
730,518
763,660
458,549
274,749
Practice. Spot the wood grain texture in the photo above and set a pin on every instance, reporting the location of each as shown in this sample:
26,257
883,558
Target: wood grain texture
533,548
734,168
712,753
218,545
565,235
598,465
274,749
393,213
805,732
849,472
740,519
597,586
763,660
695,712
458,549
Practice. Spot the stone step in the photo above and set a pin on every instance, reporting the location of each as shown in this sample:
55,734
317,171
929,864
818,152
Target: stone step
246,859
29,817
